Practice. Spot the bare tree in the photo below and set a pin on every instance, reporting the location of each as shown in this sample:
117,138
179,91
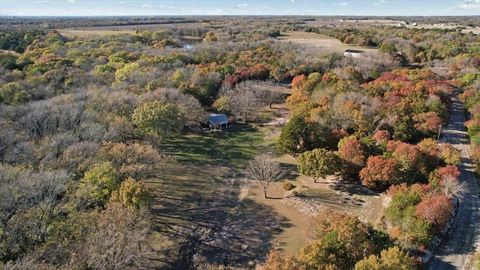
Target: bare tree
117,241
452,187
243,101
266,170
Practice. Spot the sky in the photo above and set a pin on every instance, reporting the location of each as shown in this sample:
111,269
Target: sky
237,7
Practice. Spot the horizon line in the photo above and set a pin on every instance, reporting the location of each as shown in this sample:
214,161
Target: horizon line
227,15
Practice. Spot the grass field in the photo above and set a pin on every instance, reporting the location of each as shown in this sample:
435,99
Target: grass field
92,33
229,148
321,43
197,200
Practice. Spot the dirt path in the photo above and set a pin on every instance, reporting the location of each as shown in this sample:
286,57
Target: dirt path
459,248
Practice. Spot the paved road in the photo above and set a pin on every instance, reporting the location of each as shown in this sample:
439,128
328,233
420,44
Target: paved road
457,251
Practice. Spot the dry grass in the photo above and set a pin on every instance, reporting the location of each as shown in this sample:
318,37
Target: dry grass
93,32
332,21
321,43
454,26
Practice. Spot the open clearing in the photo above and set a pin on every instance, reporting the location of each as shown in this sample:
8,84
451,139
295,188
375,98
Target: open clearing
91,33
96,31
310,198
321,43
206,194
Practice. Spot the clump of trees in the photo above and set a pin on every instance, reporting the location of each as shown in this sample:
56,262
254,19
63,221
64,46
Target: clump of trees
158,118
341,241
419,211
377,128
471,98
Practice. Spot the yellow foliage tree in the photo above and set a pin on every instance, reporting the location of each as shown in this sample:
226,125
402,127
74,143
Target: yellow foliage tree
131,193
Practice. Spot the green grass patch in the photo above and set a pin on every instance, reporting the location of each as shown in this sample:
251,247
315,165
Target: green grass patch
229,148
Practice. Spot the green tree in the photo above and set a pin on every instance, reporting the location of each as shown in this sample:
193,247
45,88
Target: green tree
158,118
13,93
298,136
319,163
98,182
390,259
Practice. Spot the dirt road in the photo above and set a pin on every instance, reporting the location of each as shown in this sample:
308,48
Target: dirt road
458,249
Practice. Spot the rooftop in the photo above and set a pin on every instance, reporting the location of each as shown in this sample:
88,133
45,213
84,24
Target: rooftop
218,119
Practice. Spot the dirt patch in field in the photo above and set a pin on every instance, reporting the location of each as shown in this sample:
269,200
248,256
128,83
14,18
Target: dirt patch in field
300,205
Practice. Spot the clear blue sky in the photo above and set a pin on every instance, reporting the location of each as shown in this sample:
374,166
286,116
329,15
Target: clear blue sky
237,7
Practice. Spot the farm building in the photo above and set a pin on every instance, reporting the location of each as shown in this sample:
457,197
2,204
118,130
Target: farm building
218,121
354,53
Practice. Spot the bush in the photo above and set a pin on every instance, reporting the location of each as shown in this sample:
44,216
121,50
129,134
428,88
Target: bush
288,186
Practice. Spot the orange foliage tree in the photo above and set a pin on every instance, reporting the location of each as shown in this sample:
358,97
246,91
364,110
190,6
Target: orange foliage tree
379,173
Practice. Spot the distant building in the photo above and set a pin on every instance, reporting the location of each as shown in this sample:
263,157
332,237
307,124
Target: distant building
218,121
354,53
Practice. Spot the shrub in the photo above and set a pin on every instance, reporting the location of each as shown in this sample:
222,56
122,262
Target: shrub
98,183
288,186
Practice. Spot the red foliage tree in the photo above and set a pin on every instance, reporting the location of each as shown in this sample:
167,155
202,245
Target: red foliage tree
379,173
381,136
448,171
428,122
436,210
352,153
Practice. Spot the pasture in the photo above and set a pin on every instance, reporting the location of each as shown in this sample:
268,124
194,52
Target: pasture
322,44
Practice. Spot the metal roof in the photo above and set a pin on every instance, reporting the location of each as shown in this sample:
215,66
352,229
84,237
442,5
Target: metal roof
218,119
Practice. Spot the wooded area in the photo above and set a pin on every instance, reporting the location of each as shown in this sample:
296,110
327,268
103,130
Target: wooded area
106,161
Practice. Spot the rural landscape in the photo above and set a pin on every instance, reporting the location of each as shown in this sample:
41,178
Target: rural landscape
300,142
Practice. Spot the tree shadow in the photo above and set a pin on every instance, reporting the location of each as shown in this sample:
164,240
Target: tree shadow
215,228
291,172
352,187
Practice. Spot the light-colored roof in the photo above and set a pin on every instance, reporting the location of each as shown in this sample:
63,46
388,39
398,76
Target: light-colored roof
218,119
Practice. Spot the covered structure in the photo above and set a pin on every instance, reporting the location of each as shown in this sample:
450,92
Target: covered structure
218,121
354,53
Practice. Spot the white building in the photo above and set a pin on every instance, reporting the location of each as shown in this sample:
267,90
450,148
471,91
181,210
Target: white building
354,53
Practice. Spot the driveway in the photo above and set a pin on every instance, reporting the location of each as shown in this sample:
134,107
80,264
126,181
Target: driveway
462,241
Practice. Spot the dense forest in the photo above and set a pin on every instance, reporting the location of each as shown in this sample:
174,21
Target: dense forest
96,137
